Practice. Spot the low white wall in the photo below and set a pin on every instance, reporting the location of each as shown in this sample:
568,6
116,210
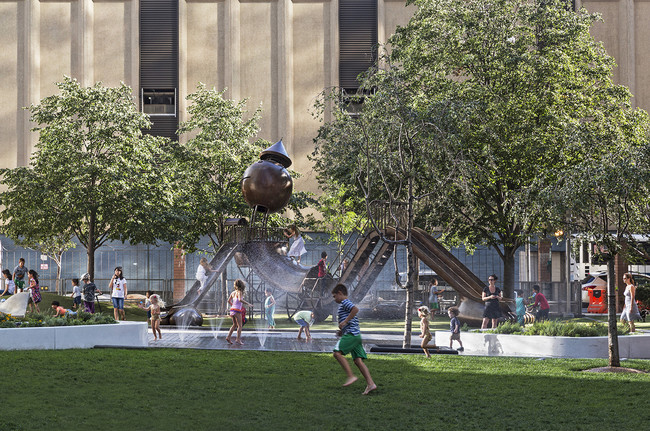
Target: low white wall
123,334
476,343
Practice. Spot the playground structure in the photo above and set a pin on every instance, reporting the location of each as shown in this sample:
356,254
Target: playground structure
260,256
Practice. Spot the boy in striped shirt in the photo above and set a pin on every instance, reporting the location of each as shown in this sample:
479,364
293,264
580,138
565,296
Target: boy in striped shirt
350,341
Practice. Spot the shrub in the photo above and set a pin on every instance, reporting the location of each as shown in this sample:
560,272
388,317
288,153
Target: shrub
557,328
507,328
41,319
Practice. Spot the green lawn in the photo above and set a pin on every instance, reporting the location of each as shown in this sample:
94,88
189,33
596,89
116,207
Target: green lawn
110,389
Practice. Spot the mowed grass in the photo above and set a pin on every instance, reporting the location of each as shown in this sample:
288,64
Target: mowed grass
167,389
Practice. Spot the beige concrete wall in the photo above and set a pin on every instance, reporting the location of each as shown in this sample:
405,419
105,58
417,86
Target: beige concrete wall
44,40
55,44
109,42
624,32
8,78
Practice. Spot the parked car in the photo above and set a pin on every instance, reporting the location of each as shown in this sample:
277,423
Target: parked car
600,280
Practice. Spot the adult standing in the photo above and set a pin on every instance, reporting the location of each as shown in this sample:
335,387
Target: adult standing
118,293
202,272
89,291
491,295
542,302
297,248
631,310
19,275
434,300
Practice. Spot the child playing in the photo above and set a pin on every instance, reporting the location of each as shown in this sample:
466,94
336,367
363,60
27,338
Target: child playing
60,311
425,334
236,301
350,341
146,304
76,294
269,308
34,291
10,286
305,319
89,292
154,308
520,307
454,327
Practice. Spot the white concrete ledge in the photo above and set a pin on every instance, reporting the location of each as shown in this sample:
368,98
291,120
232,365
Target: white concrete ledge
475,343
122,334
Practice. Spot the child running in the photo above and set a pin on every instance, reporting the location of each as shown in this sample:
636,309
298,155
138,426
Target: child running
350,341
237,310
425,334
454,327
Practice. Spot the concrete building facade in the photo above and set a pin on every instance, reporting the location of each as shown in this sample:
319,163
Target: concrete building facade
279,54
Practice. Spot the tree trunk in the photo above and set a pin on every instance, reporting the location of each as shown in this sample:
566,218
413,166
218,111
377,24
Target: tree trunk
408,316
509,272
612,333
91,246
58,276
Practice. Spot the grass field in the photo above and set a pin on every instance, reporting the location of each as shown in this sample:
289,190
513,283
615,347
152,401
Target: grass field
110,389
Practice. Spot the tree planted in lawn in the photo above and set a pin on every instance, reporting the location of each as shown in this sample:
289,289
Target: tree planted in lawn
519,77
93,174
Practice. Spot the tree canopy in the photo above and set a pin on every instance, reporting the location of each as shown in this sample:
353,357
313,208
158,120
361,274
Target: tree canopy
508,87
93,174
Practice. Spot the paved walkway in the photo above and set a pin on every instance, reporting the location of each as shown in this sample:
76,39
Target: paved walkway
276,340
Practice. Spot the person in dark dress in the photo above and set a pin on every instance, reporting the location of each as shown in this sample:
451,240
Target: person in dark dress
491,295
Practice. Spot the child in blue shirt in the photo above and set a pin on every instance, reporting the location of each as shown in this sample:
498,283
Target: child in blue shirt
520,307
350,341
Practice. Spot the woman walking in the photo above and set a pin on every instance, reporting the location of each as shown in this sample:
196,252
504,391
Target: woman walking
631,311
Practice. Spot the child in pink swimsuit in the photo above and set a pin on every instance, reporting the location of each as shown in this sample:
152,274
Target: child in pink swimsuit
236,300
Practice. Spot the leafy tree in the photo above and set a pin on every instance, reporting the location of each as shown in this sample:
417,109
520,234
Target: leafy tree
382,152
518,78
93,174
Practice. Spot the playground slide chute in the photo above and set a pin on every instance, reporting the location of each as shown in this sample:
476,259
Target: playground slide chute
15,305
446,265
272,266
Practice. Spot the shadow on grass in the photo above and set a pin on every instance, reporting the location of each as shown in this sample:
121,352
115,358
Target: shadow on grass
182,389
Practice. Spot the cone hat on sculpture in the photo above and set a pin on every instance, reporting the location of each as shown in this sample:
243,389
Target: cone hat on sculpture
276,153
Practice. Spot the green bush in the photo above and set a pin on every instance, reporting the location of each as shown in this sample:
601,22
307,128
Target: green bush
558,328
507,328
36,320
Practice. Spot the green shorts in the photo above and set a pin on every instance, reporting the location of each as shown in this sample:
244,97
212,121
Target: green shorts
20,284
351,344
435,306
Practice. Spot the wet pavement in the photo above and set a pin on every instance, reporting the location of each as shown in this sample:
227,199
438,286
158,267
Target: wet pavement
272,340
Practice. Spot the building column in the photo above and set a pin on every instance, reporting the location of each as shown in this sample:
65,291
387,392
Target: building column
627,47
231,54
332,50
132,48
82,42
285,74
181,102
29,76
